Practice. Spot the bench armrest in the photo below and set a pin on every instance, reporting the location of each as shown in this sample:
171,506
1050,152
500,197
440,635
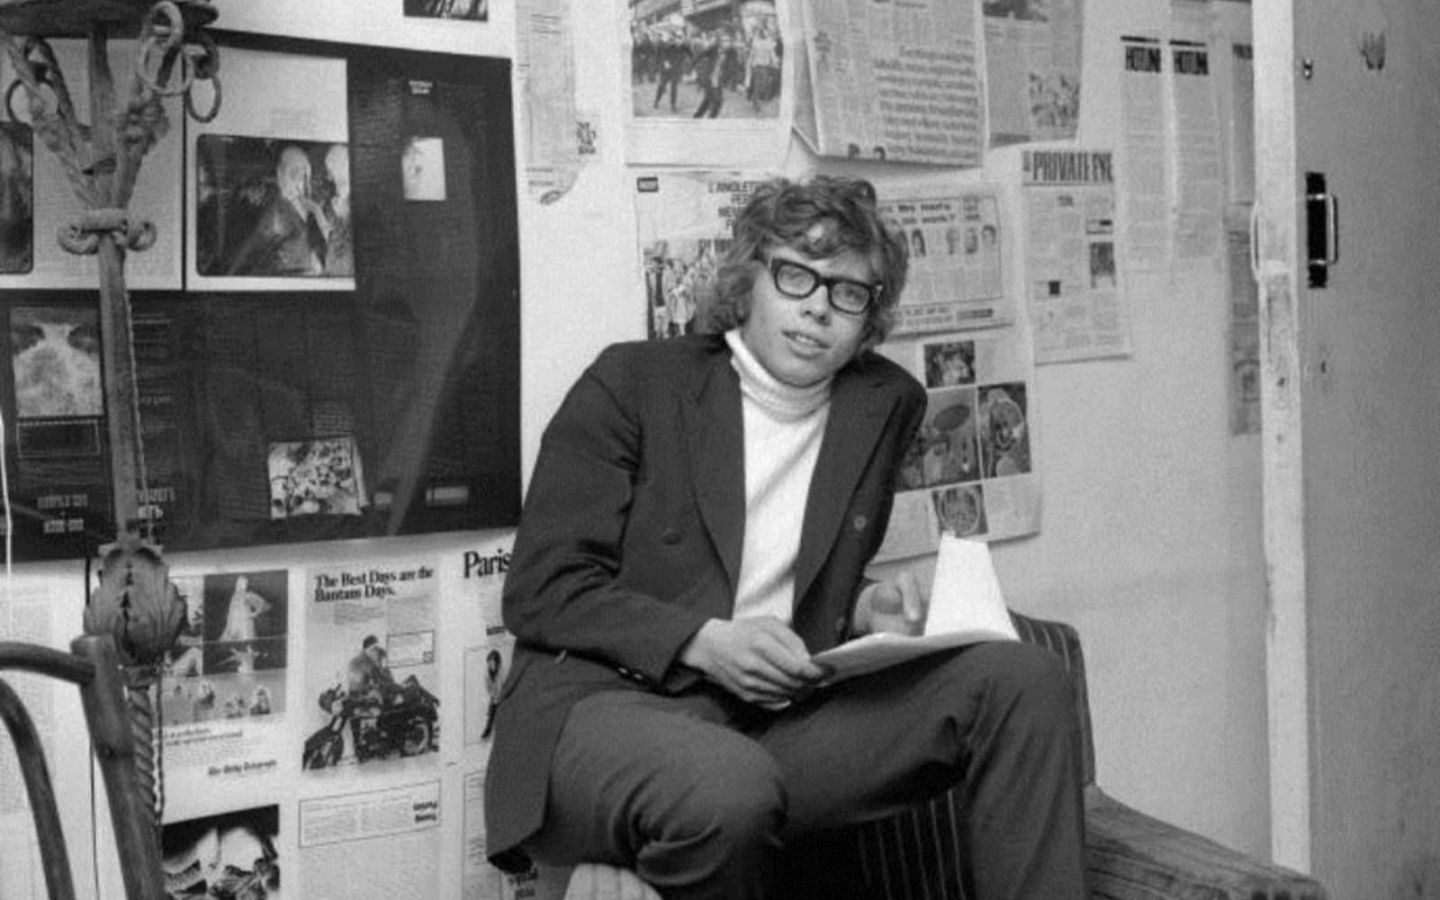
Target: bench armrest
1134,856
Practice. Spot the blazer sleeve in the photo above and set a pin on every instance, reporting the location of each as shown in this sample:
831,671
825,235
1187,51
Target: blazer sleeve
563,590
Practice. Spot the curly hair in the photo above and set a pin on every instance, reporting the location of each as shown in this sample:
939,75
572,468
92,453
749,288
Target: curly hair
785,213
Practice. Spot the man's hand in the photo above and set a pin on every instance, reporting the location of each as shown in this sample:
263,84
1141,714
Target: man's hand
759,660
898,606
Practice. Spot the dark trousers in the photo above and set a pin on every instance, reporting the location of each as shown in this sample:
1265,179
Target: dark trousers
711,99
700,794
671,79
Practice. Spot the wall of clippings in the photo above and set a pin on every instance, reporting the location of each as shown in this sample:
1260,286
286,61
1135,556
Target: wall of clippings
335,283
1150,530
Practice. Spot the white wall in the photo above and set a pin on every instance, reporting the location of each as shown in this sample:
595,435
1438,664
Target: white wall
1150,542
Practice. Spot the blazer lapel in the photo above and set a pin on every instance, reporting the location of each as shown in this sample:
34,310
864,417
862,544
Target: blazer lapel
715,430
858,412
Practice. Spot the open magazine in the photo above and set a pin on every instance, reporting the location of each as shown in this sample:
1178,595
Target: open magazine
966,607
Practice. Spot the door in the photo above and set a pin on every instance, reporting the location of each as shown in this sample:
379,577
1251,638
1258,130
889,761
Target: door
1349,90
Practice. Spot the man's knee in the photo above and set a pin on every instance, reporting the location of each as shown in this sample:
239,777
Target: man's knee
1030,680
724,826
740,802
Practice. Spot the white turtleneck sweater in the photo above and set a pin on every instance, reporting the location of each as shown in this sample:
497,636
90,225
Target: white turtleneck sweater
783,428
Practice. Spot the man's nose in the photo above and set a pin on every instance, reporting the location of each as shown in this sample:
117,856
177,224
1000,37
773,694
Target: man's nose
817,304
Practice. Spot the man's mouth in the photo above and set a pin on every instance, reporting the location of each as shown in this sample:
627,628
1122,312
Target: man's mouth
805,340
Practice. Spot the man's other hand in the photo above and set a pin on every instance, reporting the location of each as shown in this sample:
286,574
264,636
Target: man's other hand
759,660
899,606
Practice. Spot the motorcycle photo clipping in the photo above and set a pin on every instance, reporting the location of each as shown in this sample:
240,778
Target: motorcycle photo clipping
370,684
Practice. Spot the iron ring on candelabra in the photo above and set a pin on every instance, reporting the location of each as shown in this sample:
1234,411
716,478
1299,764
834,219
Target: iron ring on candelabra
205,61
162,48
43,77
214,109
75,239
83,237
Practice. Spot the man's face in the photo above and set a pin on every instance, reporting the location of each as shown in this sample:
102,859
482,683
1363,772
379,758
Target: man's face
804,341
294,174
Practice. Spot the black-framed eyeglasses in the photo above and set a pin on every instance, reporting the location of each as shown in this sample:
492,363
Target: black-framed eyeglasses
798,281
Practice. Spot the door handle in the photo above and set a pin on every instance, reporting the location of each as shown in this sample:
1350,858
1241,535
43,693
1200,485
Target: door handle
1322,225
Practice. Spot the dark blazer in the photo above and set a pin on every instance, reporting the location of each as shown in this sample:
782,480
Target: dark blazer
631,538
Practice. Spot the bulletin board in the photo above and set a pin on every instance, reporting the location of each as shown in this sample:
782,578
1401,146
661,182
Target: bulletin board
340,358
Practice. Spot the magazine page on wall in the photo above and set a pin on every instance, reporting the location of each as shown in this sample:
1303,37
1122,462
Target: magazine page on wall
957,237
328,725
37,200
1032,69
972,470
269,179
685,221
710,84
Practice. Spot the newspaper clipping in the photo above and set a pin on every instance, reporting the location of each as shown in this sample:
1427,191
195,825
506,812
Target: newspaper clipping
223,701
971,470
1077,308
557,142
1244,381
956,264
371,665
892,81
488,651
1147,162
372,845
710,83
363,799
1032,69
685,222
1199,159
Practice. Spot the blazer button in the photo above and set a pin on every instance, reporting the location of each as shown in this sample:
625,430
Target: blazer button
860,522
840,626
671,537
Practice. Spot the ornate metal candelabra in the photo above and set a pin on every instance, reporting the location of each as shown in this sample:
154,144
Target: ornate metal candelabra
135,600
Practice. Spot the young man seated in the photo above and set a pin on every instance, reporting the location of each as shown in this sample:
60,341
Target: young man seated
699,522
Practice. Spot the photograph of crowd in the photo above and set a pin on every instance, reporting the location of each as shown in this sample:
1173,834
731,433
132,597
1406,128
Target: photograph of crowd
473,10
273,208
677,274
720,63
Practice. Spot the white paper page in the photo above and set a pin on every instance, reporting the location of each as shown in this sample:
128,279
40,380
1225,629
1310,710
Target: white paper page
966,607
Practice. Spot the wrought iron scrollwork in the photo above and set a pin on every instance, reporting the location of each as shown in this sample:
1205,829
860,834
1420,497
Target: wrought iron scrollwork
174,56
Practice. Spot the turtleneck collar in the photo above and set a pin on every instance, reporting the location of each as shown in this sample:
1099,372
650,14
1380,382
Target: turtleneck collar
770,393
